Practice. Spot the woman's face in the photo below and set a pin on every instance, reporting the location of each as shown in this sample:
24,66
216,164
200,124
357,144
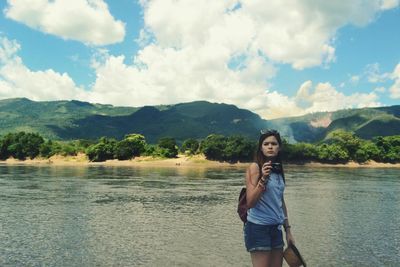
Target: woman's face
270,147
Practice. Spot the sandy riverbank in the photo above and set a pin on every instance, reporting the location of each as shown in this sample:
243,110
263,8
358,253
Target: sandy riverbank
180,161
82,160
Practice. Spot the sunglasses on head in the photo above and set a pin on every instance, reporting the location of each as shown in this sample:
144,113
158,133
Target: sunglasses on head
269,131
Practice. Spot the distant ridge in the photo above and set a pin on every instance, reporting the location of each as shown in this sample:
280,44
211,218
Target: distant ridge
364,122
66,120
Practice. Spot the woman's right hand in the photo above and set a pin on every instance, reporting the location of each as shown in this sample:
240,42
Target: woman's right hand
266,169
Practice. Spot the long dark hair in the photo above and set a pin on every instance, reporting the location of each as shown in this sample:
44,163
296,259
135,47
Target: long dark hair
259,156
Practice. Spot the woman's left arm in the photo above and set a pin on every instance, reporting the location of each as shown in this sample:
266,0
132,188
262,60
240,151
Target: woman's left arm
286,225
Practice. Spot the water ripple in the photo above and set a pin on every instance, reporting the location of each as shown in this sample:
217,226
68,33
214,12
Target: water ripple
123,216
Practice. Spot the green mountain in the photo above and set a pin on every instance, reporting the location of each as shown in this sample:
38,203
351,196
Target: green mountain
66,120
74,120
365,123
22,114
182,121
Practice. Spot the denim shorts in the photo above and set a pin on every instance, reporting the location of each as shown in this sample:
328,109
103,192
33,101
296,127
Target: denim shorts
262,237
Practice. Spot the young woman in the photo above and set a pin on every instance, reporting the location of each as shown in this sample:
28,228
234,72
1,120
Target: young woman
265,182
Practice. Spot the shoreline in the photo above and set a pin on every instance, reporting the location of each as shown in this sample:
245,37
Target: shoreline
181,161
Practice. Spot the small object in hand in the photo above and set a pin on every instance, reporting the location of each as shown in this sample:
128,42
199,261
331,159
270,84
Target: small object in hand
276,167
292,257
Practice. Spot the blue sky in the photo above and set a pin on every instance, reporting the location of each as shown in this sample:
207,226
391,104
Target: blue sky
275,58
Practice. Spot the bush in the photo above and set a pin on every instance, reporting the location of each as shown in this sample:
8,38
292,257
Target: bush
333,153
102,151
389,147
20,145
361,156
190,146
47,149
234,148
167,147
69,149
213,147
347,141
238,148
300,152
133,145
368,150
149,150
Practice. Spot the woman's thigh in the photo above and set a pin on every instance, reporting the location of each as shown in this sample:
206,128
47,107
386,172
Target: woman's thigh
260,258
276,258
273,258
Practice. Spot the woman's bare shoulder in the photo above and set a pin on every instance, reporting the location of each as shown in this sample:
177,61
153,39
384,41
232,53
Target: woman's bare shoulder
253,168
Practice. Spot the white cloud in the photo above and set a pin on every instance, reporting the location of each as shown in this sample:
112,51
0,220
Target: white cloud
380,89
300,33
145,38
389,4
166,76
395,88
278,106
310,98
324,97
186,48
355,79
8,49
117,81
16,80
375,76
88,21
194,42
164,81
372,71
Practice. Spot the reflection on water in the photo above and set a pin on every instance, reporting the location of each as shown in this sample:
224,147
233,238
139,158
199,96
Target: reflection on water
125,216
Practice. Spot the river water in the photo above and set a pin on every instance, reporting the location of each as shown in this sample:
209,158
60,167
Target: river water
130,216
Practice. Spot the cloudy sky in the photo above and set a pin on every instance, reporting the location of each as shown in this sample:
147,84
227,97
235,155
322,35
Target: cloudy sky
276,58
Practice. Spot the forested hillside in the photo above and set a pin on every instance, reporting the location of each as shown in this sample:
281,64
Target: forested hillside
71,120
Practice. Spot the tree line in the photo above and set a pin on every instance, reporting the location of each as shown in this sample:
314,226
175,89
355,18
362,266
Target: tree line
341,147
